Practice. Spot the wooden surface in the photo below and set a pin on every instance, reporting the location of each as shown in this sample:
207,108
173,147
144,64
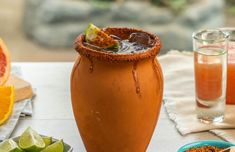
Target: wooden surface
23,89
53,111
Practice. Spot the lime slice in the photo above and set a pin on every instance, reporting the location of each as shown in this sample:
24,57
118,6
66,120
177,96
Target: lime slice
9,146
97,37
30,140
56,147
47,140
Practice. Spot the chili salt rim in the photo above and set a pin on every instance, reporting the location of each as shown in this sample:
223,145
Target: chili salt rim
124,33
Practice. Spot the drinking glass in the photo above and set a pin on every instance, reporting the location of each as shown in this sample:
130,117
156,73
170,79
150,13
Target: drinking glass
210,69
230,95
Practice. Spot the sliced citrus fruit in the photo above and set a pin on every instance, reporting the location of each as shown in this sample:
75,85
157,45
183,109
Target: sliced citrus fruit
55,147
7,95
4,63
47,140
9,146
30,140
97,37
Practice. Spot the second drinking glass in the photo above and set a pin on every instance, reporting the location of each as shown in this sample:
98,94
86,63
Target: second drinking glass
230,95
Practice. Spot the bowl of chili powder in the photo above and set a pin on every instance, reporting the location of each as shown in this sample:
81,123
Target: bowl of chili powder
205,146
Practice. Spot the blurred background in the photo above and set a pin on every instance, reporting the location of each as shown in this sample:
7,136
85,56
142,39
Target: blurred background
44,30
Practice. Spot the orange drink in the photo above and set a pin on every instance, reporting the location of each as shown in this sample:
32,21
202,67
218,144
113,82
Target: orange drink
208,78
210,69
230,95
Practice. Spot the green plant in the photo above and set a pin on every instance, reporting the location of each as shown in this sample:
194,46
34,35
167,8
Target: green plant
105,0
101,4
175,5
230,2
231,9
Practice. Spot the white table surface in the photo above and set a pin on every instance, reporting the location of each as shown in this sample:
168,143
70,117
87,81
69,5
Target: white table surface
53,114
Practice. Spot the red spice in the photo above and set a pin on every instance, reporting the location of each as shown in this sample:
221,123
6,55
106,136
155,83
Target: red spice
205,149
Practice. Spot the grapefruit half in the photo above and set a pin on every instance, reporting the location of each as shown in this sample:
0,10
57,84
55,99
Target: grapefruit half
4,63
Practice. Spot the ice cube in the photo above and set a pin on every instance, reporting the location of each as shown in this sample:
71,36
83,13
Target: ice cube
138,47
141,39
124,46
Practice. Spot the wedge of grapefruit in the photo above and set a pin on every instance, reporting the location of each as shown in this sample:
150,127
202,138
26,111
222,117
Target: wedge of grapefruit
97,37
4,63
7,95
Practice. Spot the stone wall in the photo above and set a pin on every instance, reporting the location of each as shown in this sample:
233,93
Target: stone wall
57,23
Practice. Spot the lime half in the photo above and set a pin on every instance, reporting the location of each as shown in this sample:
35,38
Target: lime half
97,37
9,146
47,140
56,147
30,140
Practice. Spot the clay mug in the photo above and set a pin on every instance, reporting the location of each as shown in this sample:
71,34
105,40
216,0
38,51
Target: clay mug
116,98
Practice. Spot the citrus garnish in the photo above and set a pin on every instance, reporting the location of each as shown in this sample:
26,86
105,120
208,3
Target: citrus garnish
9,146
7,95
97,37
55,147
30,140
4,63
47,141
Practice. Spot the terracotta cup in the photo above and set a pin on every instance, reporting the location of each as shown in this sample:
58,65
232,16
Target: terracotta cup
116,98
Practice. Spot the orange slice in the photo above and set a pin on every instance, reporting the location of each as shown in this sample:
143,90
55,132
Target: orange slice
4,63
7,95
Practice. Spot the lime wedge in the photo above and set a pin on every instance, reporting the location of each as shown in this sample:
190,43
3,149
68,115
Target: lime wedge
9,146
97,37
47,140
56,147
30,140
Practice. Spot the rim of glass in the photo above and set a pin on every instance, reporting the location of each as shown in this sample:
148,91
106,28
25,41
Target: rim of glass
229,30
196,37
